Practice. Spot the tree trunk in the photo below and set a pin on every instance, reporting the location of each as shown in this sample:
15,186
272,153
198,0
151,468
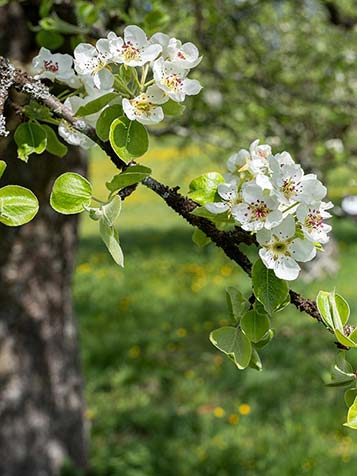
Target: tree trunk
41,402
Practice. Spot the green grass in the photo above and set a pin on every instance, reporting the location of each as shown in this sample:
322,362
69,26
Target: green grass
162,401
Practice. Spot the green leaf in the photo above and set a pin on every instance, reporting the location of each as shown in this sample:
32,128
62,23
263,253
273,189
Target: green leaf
232,342
200,238
111,239
54,145
350,396
203,189
343,339
96,105
271,291
265,340
172,108
2,167
105,120
34,110
111,210
334,309
55,23
255,361
129,139
71,193
341,372
352,416
204,213
49,39
133,174
238,305
87,13
18,205
255,325
30,138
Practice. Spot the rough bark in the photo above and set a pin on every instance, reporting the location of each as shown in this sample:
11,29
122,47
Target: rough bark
41,400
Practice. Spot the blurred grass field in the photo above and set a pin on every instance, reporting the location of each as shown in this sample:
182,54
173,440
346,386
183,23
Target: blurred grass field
162,401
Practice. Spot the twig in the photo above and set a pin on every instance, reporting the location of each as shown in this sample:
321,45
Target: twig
228,241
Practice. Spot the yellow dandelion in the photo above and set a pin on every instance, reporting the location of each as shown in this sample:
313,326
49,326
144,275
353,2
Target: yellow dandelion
244,409
219,412
181,332
84,268
134,352
89,414
233,419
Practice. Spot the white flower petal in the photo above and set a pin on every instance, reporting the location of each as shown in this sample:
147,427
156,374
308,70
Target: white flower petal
302,250
267,257
286,268
217,207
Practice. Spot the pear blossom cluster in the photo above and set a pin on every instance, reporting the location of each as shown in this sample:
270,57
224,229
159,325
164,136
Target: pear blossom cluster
159,65
270,195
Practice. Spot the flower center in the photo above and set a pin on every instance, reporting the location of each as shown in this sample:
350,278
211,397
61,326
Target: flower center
313,220
50,66
129,52
289,188
142,105
279,247
181,55
259,210
172,81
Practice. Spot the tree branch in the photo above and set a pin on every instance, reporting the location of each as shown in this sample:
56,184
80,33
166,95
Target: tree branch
228,241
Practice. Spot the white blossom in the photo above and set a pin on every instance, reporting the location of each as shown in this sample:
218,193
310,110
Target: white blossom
183,55
228,191
281,250
311,218
173,81
258,209
145,107
134,49
55,67
93,61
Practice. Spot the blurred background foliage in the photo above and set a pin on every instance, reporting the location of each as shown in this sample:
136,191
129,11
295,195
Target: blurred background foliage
161,400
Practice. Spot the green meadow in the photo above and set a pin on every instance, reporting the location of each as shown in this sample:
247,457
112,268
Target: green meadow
161,400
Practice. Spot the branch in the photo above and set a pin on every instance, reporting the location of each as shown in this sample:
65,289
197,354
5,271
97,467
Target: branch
228,241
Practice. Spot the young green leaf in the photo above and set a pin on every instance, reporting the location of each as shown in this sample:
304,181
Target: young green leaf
18,205
271,291
232,342
341,372
133,174
255,325
265,340
111,210
71,193
350,396
255,361
172,108
96,105
203,189
238,305
30,139
2,167
105,120
344,340
49,39
352,416
111,239
129,139
54,145
334,309
200,238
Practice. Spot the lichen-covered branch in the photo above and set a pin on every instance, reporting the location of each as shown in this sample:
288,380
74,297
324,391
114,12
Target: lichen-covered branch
228,241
